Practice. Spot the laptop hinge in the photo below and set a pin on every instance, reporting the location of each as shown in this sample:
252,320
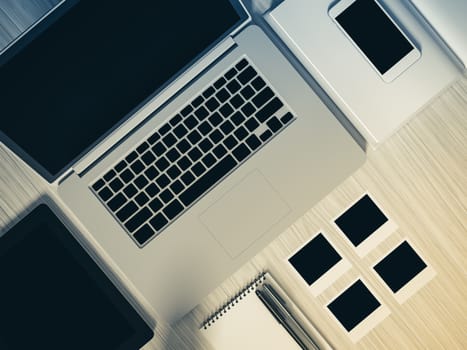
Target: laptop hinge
152,105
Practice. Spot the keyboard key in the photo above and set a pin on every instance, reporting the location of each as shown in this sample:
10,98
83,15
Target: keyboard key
190,122
208,92
141,148
172,155
151,173
175,120
201,113
222,95
169,140
264,113
138,219
219,151
180,131
131,157
187,178
226,110
116,202
162,181
230,73
152,190
264,96
242,64
219,83
127,176
162,164
233,86
137,167
215,119
177,187
105,194
98,185
208,160
237,118
212,104
227,127
216,136
141,199
184,163
236,101
130,190
241,152
187,110
258,83
110,175
183,146
166,196
194,137
158,222
247,92
251,124
153,138
230,142
143,234
248,109
173,172
116,184
197,101
274,124
211,177
253,142
205,145
286,118
248,74
173,209
120,166
198,169
164,129
155,204
159,149
194,154
241,133
265,135
148,158
205,128
141,182
126,211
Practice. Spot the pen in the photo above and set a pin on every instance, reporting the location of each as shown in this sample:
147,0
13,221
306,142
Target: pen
269,305
281,305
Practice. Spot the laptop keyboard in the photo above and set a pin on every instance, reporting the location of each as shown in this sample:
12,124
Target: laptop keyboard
209,138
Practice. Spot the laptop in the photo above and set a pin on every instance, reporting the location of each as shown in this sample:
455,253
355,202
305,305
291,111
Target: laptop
176,133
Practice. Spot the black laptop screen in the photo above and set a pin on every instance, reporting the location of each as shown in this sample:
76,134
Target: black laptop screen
84,74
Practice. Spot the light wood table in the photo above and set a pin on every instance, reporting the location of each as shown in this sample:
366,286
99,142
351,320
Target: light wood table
419,176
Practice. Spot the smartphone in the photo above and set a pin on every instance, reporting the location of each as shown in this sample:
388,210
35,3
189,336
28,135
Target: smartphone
376,36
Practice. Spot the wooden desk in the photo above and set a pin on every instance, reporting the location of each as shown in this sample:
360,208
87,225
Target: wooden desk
419,176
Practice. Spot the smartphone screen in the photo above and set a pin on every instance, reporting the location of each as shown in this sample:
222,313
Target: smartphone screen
376,35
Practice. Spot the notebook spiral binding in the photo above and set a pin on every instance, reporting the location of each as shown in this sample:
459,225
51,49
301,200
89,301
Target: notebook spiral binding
251,287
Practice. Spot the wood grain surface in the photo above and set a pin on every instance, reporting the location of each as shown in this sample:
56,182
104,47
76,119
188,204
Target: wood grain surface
419,176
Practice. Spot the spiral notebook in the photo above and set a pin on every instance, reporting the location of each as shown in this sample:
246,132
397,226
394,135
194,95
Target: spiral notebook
245,323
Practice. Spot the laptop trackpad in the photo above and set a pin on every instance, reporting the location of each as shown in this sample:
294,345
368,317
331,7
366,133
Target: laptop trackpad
245,213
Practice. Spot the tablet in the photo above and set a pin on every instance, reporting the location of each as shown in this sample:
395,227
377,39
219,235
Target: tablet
54,296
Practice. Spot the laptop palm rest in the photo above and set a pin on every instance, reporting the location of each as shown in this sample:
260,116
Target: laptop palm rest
245,213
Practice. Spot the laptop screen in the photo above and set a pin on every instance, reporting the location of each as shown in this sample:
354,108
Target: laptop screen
87,71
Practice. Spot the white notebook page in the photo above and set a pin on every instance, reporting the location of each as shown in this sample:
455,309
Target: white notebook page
248,325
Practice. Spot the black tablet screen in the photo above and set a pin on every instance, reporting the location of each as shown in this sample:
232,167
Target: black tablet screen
53,296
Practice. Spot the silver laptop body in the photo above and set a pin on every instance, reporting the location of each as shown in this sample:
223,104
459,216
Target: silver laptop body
238,213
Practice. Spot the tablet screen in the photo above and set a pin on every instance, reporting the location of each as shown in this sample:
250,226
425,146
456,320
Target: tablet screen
53,295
